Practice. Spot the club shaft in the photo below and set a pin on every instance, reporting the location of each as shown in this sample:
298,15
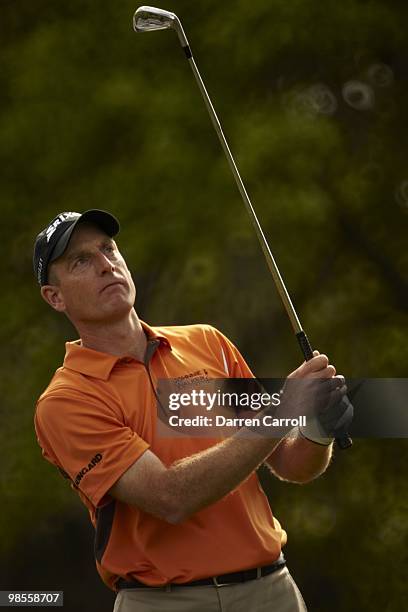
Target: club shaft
280,285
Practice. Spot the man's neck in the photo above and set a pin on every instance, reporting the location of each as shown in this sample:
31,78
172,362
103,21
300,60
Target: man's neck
123,337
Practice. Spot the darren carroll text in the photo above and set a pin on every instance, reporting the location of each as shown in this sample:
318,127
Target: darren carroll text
221,421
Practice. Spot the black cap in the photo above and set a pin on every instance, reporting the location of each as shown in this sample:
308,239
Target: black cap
53,240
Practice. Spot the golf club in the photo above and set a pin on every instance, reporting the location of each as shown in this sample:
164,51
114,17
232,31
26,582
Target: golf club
149,18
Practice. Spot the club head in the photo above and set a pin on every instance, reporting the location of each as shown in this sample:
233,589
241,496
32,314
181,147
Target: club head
150,18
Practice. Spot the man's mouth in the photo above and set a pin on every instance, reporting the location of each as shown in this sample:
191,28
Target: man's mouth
113,284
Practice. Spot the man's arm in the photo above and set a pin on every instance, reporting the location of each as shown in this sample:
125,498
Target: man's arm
191,484
299,460
304,454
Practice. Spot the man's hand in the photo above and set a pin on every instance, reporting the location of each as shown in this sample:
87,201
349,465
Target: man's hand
311,389
317,367
320,395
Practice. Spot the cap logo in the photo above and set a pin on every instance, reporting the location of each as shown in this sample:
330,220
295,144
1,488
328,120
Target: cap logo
39,270
60,219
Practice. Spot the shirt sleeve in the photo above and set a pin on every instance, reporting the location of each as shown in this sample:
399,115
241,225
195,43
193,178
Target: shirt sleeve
86,438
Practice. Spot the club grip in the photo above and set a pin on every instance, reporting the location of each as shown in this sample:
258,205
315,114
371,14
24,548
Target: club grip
344,441
305,345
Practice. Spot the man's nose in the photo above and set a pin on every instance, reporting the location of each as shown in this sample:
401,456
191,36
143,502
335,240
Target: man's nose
103,264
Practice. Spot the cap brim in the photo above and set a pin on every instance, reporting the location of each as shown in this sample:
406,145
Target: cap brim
107,222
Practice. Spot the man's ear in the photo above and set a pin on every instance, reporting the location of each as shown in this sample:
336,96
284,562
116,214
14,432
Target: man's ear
53,296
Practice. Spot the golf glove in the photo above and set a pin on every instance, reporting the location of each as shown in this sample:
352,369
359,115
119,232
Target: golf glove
332,422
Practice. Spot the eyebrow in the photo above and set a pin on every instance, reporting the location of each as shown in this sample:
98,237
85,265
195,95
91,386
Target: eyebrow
76,254
83,251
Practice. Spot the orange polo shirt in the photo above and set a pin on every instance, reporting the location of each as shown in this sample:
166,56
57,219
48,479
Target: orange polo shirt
98,416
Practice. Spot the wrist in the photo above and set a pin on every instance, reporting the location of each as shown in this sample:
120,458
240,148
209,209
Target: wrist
313,432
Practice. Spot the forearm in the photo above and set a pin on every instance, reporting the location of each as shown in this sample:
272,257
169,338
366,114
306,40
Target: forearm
299,460
202,479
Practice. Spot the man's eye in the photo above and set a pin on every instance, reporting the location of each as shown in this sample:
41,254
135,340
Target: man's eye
109,248
80,261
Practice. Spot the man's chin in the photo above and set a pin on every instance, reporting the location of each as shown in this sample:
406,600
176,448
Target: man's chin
117,310
111,312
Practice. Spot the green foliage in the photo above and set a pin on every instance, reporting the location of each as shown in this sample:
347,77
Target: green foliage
93,115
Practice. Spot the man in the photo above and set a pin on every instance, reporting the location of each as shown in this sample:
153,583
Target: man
181,523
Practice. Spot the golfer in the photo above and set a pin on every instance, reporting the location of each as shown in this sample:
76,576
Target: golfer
181,523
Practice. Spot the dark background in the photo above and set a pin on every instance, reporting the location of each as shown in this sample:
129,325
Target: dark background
312,97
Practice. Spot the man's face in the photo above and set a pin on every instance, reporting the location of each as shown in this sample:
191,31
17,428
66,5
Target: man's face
92,281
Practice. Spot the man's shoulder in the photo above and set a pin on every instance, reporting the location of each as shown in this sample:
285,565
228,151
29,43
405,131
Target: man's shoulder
190,333
65,384
69,395
61,379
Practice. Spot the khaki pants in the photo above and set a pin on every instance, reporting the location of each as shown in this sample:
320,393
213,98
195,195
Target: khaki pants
274,593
